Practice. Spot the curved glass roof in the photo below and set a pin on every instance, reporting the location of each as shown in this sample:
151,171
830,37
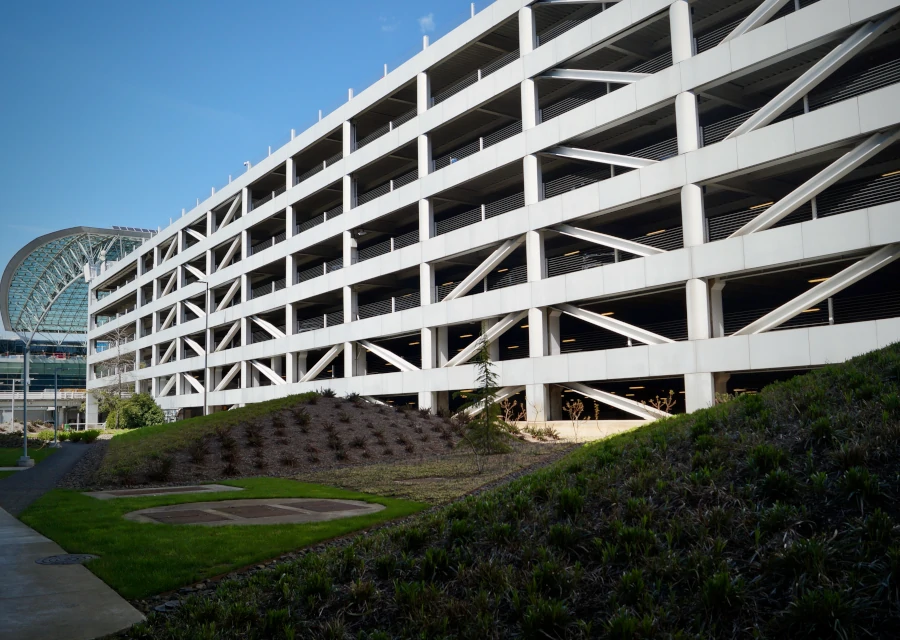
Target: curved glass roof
43,287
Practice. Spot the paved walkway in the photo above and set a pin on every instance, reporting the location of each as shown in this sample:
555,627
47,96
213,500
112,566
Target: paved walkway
52,602
21,489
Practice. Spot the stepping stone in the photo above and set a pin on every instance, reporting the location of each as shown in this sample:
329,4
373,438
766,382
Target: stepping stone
253,511
325,506
185,516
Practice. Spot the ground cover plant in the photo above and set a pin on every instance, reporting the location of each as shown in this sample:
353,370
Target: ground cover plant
9,456
275,438
140,559
438,480
773,515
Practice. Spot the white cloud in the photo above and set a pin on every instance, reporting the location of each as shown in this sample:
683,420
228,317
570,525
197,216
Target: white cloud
426,23
388,24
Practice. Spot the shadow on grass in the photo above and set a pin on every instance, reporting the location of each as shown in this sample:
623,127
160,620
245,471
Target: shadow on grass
141,559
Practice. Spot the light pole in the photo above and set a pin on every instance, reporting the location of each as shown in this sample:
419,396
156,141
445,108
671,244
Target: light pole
25,461
55,444
206,346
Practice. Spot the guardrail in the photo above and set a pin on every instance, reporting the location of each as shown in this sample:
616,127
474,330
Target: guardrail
269,196
266,244
480,144
391,305
318,168
266,289
387,246
387,187
484,212
320,270
387,128
475,76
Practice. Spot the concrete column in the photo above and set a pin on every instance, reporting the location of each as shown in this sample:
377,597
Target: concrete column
426,400
532,175
210,223
426,220
254,375
360,368
301,367
426,283
348,131
720,382
289,173
245,288
717,312
534,253
245,201
537,401
687,122
424,155
428,343
537,333
423,92
699,391
682,31
698,322
154,387
245,375
351,304
290,221
350,249
350,359
555,411
246,330
349,187
494,347
693,216
527,32
245,244
91,411
442,348
209,262
554,337
531,116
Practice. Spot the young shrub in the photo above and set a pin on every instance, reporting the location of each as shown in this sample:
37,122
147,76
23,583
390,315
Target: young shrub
341,455
89,436
721,592
410,448
765,458
288,460
545,619
425,413
552,579
387,451
343,416
859,485
230,470
301,416
310,448
198,450
229,455
435,562
818,613
569,502
562,536
327,393
779,485
159,468
358,442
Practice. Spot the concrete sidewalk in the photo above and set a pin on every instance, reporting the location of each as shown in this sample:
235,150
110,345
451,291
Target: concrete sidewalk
52,602
21,489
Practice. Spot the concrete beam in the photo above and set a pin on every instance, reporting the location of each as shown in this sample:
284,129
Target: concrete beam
819,182
610,399
502,394
323,362
229,336
590,75
193,307
232,250
168,386
601,157
616,326
605,240
200,275
819,72
235,206
193,382
229,295
193,344
388,355
270,328
169,319
164,358
835,284
481,271
228,377
491,335
760,16
267,372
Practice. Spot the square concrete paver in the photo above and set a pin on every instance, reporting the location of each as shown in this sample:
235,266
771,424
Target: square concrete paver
185,516
325,506
253,511
161,491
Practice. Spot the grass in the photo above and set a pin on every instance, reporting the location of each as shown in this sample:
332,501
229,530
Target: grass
140,559
434,481
6,474
133,448
10,456
774,515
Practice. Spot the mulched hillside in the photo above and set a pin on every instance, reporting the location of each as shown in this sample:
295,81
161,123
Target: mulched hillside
303,433
774,515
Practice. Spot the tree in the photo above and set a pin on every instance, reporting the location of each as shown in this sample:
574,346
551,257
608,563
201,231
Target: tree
140,410
121,364
486,432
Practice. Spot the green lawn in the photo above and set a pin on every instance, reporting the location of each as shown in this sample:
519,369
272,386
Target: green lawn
9,457
140,559
6,474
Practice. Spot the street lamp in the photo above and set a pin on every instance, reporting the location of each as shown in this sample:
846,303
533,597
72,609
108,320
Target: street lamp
55,444
25,461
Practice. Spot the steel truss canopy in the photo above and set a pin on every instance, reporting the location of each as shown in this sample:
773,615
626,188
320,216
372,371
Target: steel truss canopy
43,287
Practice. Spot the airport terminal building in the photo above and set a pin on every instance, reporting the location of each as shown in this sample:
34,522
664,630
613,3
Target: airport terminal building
624,198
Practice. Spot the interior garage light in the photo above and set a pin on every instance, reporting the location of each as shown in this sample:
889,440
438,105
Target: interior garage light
524,326
467,390
569,340
654,233
739,390
513,346
571,253
468,335
502,270
446,284
412,344
629,395
681,392
811,310
608,313
888,175
815,280
760,206
635,387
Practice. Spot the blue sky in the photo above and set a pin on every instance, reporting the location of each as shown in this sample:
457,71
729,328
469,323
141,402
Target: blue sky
122,113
